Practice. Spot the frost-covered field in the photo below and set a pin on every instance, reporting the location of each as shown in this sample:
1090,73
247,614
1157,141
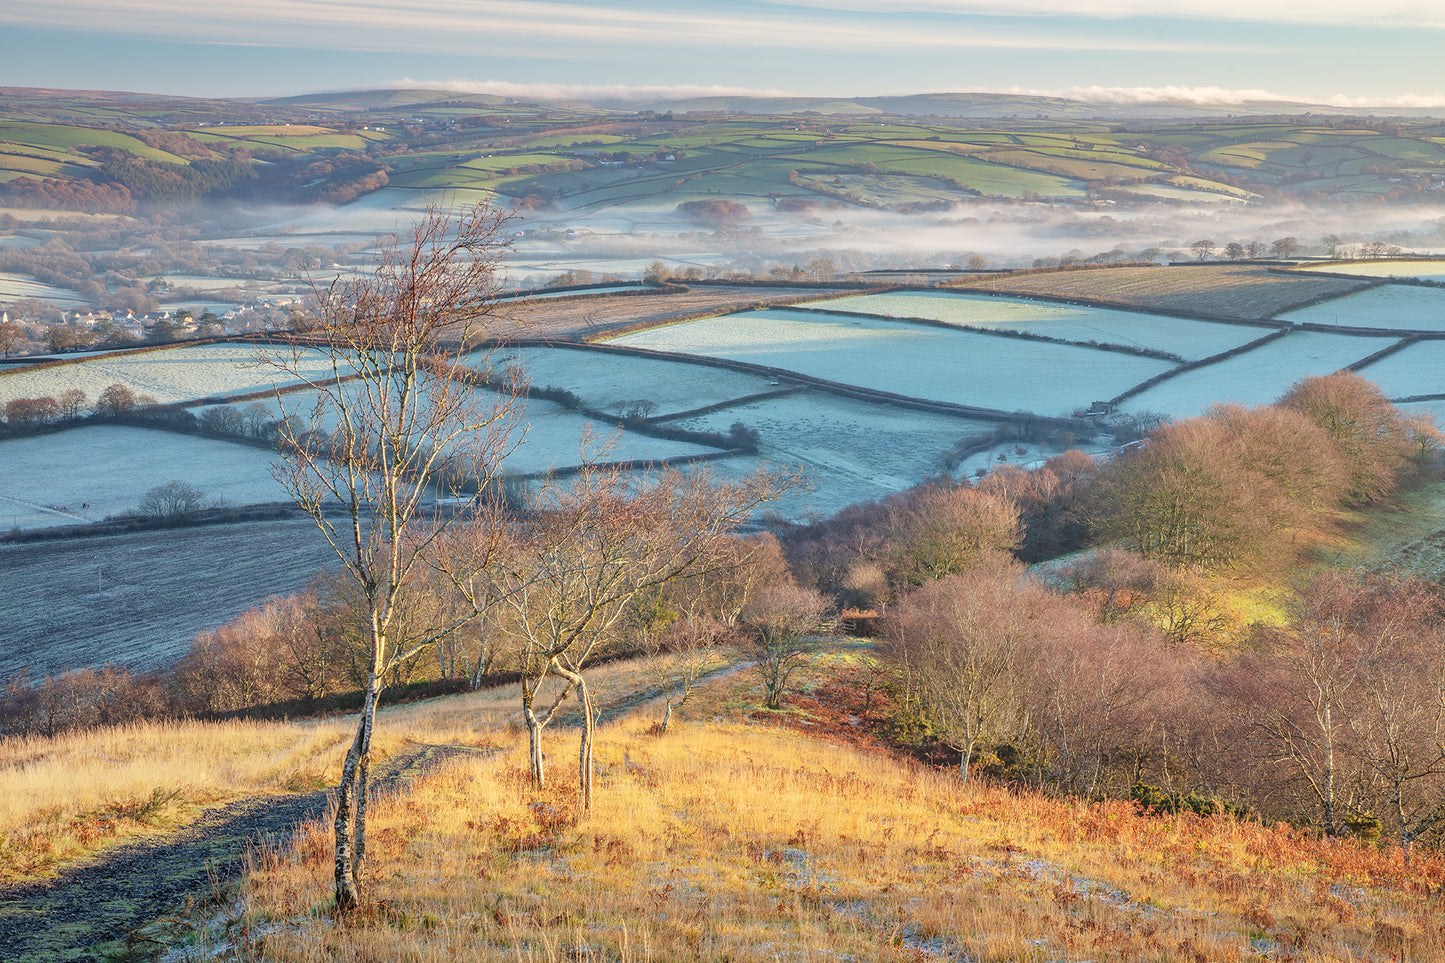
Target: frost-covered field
1416,370
1397,306
13,287
962,367
45,480
826,491
602,379
554,438
1425,270
1188,339
865,450
172,375
545,436
1256,377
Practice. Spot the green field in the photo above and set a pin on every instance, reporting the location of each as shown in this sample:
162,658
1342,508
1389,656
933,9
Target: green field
69,136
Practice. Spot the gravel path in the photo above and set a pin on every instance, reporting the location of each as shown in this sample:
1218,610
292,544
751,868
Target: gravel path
86,913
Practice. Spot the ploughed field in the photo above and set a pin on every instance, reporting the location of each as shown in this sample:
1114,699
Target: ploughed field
137,599
1223,291
868,393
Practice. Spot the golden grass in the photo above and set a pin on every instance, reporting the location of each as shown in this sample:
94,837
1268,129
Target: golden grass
70,795
729,841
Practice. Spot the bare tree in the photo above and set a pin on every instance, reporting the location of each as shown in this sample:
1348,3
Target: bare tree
11,334
783,621
173,501
589,550
1285,247
391,450
945,529
964,645
1375,442
115,400
72,403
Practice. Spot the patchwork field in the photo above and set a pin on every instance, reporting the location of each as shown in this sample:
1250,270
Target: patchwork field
849,449
1256,377
1395,306
1209,290
960,367
1189,339
853,450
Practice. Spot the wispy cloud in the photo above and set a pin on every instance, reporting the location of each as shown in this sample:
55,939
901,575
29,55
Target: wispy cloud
1414,101
1401,13
496,26
1198,96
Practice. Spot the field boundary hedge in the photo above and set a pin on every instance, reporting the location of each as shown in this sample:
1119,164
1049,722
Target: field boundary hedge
1132,307
643,426
848,391
1188,366
1014,333
1351,331
730,403
773,304
1368,360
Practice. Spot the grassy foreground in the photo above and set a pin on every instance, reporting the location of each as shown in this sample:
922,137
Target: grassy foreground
66,797
729,840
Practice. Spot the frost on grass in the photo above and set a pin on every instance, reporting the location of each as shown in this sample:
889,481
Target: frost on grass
1392,306
1188,339
959,367
1416,370
548,436
172,375
1424,270
87,474
867,450
1256,377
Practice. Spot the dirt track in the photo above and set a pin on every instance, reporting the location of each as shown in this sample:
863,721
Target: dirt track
87,913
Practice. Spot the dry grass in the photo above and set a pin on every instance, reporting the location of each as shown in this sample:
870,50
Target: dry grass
1231,292
67,796
70,796
728,841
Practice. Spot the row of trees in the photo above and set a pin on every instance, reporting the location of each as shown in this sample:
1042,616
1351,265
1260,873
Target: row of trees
30,414
1282,248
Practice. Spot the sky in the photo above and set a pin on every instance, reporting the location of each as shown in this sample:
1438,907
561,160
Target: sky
1377,55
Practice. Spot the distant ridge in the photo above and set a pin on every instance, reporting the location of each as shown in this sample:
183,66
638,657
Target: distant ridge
951,105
